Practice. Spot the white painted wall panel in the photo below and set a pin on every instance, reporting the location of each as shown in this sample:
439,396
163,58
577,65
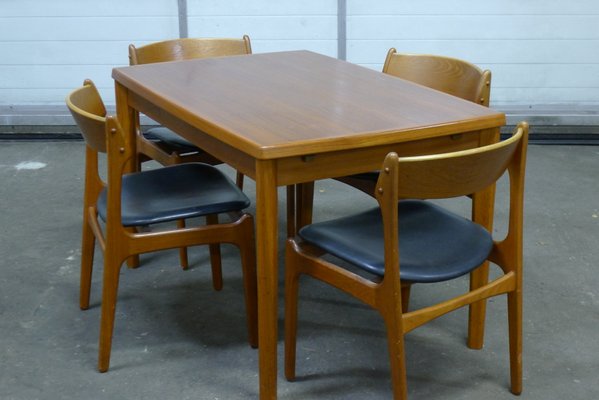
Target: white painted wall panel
494,51
272,26
76,8
506,27
540,52
472,7
262,7
48,48
88,28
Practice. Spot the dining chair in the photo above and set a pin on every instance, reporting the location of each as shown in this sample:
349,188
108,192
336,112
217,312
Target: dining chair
446,74
146,198
164,145
453,76
449,75
372,254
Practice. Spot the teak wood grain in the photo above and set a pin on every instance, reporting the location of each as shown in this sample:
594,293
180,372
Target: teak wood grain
290,117
295,103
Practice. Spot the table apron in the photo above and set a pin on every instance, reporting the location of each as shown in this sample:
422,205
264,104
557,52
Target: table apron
230,155
308,168
311,167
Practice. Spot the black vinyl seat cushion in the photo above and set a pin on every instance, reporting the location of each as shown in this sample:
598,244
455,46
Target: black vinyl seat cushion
434,244
171,139
177,192
371,176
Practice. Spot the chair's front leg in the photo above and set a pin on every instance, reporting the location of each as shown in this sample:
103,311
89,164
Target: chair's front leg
110,284
88,241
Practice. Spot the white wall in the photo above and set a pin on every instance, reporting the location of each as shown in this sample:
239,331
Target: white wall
272,25
48,48
540,51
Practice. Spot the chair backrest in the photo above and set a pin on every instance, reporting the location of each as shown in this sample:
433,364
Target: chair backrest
102,133
449,175
450,75
458,173
188,48
89,113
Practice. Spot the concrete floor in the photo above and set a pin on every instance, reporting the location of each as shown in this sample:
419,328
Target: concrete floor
175,338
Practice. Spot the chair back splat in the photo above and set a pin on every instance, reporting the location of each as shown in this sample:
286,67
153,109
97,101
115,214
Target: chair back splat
446,74
187,49
415,241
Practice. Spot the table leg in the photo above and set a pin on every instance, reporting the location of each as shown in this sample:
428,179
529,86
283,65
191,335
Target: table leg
127,117
267,267
482,212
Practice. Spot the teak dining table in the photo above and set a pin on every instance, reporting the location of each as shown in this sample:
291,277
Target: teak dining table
294,117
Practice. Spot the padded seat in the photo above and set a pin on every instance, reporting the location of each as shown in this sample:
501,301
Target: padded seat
165,194
436,245
167,137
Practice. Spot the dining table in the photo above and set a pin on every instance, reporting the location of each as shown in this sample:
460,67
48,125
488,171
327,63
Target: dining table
294,117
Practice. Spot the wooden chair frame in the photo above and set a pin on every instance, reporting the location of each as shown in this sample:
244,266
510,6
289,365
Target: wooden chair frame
176,50
470,171
449,75
103,134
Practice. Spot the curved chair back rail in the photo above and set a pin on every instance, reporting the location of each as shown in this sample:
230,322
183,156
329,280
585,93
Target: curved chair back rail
455,174
89,113
188,48
446,74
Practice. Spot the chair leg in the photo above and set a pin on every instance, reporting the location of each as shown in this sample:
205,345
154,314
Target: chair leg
405,297
291,304
304,204
477,311
515,334
291,211
215,258
183,260
133,261
88,241
395,344
112,267
239,180
250,281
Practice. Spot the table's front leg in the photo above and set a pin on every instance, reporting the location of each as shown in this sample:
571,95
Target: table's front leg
126,116
267,263
482,213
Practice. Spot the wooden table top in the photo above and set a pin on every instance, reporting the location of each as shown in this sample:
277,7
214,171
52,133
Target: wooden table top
283,104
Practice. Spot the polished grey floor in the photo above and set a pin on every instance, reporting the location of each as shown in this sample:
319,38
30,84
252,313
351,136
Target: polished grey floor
176,338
